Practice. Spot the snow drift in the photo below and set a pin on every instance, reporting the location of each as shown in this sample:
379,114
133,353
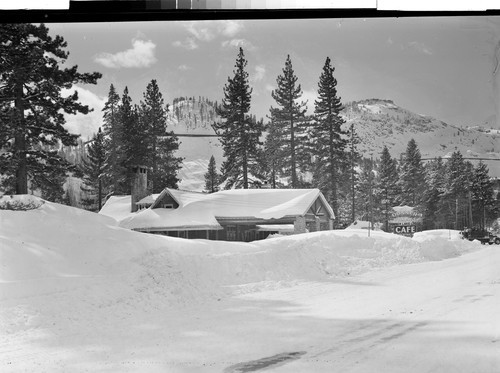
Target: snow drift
79,293
53,247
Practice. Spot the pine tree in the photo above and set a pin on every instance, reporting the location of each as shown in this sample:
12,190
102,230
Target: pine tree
328,137
94,170
135,140
168,165
412,175
114,142
454,199
354,158
434,176
273,154
387,185
483,202
31,83
287,115
365,190
154,114
238,133
50,174
212,177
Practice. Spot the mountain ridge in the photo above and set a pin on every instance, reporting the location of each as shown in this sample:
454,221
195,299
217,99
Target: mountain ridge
394,126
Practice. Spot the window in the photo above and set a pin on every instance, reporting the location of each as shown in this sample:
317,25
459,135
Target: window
231,233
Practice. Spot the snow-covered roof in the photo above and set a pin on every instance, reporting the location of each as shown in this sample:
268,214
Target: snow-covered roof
171,220
119,207
148,200
116,207
203,211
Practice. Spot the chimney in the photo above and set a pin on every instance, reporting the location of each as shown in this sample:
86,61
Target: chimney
139,185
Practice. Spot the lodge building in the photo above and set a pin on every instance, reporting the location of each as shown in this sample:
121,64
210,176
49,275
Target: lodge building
232,215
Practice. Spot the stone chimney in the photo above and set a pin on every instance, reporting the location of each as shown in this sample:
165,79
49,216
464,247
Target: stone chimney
139,185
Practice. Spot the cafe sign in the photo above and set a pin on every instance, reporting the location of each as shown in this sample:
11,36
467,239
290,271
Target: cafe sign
405,229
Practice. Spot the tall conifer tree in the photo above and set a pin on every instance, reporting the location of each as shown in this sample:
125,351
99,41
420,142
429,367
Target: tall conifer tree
458,175
288,115
328,137
154,115
167,163
114,139
212,177
481,196
412,175
135,141
354,158
364,189
434,176
273,154
387,185
94,169
31,93
238,133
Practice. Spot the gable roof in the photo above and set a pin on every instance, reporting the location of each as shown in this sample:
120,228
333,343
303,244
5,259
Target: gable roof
202,211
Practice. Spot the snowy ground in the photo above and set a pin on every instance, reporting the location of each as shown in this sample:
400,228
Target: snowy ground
79,294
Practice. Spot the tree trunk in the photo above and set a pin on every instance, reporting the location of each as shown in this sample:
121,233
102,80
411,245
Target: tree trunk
155,174
245,157
20,143
333,173
292,150
99,195
245,170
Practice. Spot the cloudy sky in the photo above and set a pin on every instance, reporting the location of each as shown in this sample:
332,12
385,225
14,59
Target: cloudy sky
443,67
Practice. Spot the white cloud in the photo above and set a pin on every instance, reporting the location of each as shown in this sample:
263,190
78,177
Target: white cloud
207,31
230,28
142,54
236,43
260,72
184,67
86,125
201,30
188,44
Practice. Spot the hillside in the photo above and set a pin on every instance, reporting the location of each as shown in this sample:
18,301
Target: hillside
395,126
392,125
190,116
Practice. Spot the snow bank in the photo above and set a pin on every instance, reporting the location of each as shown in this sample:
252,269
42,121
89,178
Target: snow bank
79,293
65,272
443,244
20,202
57,247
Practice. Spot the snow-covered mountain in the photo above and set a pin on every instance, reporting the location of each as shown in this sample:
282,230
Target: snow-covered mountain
377,122
190,118
381,122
